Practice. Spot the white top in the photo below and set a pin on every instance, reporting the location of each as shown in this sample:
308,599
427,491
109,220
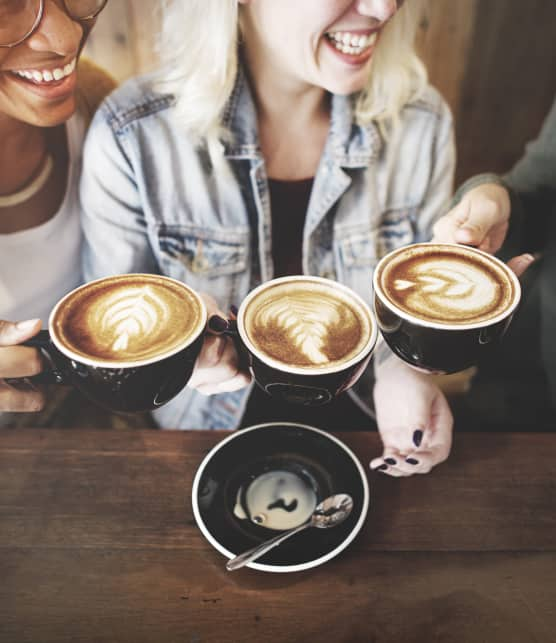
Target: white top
40,265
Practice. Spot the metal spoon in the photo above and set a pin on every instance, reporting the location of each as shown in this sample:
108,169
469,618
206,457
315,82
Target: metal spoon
328,513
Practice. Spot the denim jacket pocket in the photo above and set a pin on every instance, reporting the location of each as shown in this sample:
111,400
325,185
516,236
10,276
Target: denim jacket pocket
396,229
211,260
355,251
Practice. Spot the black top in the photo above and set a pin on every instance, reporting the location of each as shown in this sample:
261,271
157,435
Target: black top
289,201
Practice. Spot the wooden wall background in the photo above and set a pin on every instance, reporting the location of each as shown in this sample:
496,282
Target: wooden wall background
493,60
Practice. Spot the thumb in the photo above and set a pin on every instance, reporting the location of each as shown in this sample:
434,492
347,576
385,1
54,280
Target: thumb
476,220
520,263
17,332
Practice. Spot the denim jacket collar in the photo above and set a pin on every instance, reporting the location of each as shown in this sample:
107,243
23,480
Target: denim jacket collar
348,145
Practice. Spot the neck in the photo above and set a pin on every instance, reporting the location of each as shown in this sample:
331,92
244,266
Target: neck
282,99
22,150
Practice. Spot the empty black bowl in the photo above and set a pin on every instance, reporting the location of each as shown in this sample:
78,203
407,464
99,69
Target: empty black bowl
269,477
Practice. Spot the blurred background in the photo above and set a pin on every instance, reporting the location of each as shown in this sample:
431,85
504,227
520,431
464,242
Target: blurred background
493,60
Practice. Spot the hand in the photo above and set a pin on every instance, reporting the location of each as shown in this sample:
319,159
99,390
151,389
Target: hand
19,362
217,368
414,421
480,219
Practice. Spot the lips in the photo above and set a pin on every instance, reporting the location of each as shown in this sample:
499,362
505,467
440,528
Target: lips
47,90
352,47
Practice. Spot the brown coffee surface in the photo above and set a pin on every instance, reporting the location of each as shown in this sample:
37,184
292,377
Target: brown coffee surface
128,318
307,324
454,286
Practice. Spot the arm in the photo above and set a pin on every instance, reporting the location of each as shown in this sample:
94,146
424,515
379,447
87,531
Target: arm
116,241
413,416
114,226
482,205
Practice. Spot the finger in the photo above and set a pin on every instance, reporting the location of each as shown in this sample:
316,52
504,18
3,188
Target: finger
16,332
389,463
19,361
520,263
236,383
24,398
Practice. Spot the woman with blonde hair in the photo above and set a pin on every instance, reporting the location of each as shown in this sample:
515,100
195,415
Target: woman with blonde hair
279,138
47,98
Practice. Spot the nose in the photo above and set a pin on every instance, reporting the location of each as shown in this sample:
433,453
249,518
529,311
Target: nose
57,32
381,10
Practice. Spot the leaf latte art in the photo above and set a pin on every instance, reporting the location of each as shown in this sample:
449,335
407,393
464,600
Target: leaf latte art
128,318
301,324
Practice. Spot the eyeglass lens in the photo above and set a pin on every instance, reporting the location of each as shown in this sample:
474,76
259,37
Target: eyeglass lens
18,18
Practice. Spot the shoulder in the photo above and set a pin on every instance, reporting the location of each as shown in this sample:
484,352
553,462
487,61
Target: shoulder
431,103
136,99
93,85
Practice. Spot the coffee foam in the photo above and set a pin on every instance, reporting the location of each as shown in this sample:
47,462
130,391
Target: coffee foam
128,318
307,324
453,285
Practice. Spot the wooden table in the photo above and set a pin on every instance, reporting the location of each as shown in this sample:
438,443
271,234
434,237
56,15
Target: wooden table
98,544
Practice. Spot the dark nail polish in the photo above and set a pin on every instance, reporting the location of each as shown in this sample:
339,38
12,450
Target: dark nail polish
412,461
382,467
390,460
217,324
233,310
417,437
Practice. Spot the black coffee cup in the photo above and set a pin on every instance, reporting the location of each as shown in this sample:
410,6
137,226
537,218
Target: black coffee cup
441,307
288,303
119,382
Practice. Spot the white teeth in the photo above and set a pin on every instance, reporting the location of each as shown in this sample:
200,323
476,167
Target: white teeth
349,43
48,75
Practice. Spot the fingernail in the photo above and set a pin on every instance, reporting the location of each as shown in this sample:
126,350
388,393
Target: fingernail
412,461
390,460
26,325
233,310
417,438
382,467
217,324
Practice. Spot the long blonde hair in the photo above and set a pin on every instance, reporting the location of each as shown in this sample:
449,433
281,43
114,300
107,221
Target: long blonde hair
199,52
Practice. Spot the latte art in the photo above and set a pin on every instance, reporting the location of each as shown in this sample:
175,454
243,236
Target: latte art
307,324
454,286
128,318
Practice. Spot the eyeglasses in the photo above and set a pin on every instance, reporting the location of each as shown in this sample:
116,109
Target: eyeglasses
19,19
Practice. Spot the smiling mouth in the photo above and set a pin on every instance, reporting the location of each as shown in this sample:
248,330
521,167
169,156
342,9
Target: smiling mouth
46,76
351,43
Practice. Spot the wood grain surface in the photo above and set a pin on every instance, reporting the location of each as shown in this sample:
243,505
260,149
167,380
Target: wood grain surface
98,543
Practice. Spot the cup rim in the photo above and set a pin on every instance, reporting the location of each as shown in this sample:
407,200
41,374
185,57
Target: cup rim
442,325
307,371
282,568
104,363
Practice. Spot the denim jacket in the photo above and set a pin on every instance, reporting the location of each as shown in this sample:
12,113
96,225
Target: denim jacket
152,202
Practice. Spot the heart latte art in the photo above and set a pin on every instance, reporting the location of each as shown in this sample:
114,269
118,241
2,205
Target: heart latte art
307,324
128,318
453,286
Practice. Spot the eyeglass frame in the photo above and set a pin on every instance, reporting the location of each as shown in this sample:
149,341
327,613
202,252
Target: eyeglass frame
39,18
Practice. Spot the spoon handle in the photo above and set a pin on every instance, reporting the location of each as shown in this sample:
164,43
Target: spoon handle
259,550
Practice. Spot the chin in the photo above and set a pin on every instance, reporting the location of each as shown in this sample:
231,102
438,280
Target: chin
343,89
56,115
